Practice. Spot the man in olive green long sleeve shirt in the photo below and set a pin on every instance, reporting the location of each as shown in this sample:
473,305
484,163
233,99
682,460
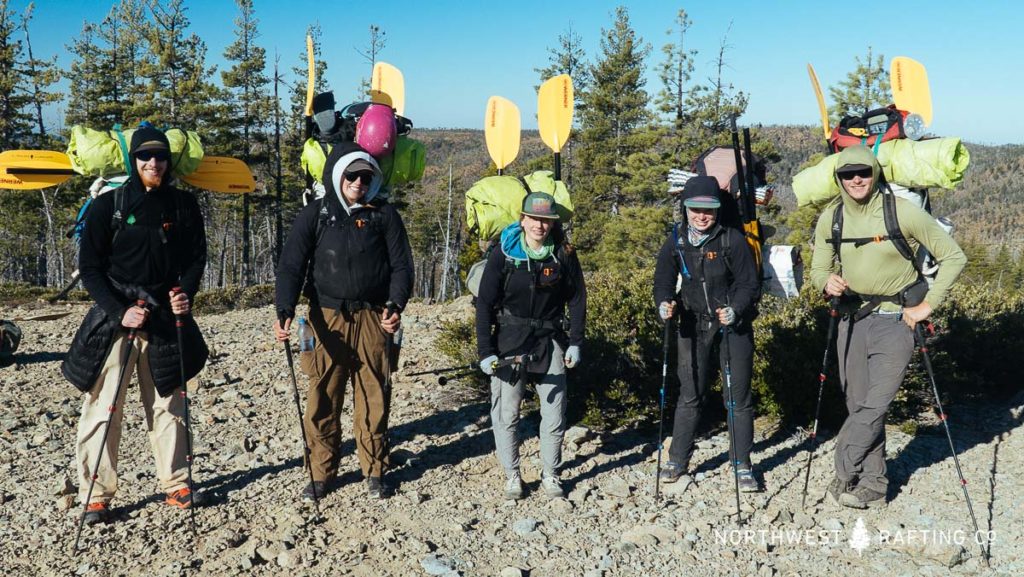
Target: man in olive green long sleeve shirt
874,349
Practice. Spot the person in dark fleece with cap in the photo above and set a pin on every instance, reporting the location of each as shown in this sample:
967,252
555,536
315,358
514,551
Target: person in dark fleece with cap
349,253
528,283
706,272
139,242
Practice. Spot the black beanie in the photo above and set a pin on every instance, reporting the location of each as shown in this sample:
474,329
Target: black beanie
148,138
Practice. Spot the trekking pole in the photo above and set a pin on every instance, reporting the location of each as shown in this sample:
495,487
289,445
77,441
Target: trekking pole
833,314
661,407
302,425
460,368
919,334
731,421
129,340
445,379
179,325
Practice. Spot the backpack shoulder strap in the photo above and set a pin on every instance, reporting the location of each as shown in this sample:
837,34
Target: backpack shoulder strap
683,270
321,221
892,225
837,232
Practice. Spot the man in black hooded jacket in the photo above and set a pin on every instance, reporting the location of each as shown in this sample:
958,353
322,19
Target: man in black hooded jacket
138,243
348,252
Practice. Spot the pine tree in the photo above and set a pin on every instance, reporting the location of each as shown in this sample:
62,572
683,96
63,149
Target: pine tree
865,88
15,121
569,58
615,111
178,76
713,105
41,77
675,73
378,40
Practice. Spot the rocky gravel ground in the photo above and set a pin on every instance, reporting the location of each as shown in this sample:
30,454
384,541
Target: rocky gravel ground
446,516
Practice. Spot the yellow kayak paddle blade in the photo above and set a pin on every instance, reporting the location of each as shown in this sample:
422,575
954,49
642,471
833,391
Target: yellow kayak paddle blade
501,131
554,111
387,86
33,169
310,75
822,109
910,90
222,174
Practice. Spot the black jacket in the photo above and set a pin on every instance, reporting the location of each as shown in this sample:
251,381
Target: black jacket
728,275
518,291
160,243
361,257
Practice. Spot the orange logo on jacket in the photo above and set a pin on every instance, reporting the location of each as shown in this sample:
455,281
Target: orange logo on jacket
360,223
712,255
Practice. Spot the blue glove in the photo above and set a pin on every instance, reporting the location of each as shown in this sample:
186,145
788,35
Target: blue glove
486,365
666,310
572,357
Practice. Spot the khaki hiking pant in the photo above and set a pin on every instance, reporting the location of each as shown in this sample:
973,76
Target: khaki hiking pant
165,422
348,345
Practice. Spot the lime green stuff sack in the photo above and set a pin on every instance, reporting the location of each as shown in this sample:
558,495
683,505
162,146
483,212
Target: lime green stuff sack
407,162
314,158
186,151
939,162
494,202
99,152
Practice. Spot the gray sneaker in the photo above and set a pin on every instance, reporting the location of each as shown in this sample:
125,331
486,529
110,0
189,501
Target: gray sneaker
837,488
514,487
671,472
748,483
862,498
552,486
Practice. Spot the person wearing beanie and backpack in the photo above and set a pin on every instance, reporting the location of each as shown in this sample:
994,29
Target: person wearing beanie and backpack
349,253
137,244
883,296
528,283
716,298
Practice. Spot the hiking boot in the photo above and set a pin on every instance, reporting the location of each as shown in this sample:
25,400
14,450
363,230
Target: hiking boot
552,486
182,498
748,483
514,487
671,472
98,512
837,488
320,488
862,498
376,488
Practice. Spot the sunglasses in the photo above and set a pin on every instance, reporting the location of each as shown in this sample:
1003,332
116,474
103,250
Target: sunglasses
864,173
365,177
147,155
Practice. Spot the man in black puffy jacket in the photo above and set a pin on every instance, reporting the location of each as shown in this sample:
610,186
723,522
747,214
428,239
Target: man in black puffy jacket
138,243
348,252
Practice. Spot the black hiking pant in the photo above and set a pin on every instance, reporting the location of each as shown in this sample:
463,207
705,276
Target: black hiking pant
697,346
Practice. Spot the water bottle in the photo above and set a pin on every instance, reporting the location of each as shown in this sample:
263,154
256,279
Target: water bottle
306,338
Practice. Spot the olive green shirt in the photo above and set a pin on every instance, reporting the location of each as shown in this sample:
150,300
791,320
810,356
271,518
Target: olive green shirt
877,268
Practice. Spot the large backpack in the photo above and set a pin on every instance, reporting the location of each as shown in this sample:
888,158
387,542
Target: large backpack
869,129
10,338
719,162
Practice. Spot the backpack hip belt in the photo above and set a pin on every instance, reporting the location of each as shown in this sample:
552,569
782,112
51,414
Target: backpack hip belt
508,319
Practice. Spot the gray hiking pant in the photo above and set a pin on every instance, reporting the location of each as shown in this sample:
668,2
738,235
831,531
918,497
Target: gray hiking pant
873,357
506,399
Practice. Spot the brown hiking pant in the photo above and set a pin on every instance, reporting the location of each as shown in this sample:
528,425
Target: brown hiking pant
348,344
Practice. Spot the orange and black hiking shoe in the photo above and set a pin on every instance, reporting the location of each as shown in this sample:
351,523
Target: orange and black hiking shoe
98,512
182,498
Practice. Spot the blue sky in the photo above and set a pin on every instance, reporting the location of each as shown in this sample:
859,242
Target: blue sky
454,55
